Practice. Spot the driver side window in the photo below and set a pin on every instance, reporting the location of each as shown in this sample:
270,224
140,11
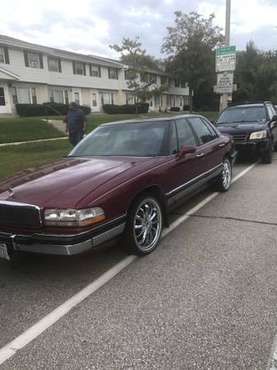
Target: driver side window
185,133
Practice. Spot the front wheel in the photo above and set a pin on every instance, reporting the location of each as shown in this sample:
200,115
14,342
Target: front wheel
144,226
224,180
267,155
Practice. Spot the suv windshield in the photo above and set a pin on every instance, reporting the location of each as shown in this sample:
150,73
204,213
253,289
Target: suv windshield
134,139
243,114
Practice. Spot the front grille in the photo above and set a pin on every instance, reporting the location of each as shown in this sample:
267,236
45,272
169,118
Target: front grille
19,214
240,137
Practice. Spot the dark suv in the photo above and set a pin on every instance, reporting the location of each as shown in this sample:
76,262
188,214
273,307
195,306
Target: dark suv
253,128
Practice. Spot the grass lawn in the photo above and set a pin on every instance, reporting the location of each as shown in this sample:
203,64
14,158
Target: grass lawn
24,129
14,159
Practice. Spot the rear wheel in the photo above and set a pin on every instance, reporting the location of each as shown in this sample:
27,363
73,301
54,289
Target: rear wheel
225,178
267,155
144,225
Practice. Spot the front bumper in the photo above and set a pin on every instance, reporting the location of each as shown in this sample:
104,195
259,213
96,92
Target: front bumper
256,146
63,244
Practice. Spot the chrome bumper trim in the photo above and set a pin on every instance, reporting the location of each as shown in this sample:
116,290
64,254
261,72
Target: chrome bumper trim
68,250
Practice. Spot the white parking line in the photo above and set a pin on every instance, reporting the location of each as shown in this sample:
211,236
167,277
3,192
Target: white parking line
33,141
34,331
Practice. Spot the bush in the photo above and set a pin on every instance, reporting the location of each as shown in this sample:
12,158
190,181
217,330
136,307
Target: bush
175,109
126,108
46,109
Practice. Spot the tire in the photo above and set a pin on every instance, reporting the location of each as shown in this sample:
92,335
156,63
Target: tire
224,180
142,235
267,155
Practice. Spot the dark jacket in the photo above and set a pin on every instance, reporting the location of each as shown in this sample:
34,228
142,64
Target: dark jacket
75,120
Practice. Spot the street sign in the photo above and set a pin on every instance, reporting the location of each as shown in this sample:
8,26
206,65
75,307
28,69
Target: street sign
226,59
225,83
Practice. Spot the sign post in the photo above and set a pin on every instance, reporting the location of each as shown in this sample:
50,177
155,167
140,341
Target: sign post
225,67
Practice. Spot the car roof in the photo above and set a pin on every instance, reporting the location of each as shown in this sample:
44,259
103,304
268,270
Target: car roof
246,105
151,120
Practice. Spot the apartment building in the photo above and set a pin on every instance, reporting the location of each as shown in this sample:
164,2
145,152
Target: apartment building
35,74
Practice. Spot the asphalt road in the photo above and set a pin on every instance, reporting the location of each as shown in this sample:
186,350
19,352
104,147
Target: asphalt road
205,299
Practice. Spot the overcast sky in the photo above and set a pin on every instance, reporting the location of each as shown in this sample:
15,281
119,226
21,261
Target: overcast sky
89,26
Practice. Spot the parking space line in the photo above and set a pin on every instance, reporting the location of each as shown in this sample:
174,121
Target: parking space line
50,319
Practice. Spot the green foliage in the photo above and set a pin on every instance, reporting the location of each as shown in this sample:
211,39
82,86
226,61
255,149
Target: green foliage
190,46
138,64
256,75
46,109
126,109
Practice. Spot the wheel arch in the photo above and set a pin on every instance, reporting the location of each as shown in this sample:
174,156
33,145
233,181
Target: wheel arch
156,191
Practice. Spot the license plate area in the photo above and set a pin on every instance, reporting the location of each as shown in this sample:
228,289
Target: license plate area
4,251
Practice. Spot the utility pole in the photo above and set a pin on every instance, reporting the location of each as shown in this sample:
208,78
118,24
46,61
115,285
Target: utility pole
224,97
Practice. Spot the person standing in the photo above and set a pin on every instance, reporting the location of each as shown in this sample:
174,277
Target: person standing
75,124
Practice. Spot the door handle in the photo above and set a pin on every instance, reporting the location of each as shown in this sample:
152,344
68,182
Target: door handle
221,145
200,155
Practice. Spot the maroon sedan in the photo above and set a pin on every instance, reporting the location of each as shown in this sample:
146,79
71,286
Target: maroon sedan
122,179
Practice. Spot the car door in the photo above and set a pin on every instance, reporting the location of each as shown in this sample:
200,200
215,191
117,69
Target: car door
210,147
181,170
272,123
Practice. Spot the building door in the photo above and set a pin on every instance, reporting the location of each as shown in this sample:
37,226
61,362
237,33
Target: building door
76,96
5,106
94,102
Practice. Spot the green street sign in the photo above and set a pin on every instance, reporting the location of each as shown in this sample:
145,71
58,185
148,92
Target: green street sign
226,50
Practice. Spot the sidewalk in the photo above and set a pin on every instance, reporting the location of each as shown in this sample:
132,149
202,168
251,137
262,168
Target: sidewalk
32,141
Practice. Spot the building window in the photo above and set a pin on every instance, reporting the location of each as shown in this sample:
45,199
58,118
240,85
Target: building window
130,98
79,68
177,83
183,84
54,64
107,98
94,100
23,95
130,74
56,95
153,78
14,95
2,96
4,55
164,80
144,76
66,98
77,98
95,71
33,60
113,73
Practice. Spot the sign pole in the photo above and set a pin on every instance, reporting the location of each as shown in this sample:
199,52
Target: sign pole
224,97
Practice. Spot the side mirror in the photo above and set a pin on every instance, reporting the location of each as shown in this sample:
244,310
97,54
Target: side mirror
186,149
274,118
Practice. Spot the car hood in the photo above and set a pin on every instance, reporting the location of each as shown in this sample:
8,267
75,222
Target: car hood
240,128
65,183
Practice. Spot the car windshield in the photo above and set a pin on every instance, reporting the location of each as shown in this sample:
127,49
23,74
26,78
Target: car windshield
243,115
139,139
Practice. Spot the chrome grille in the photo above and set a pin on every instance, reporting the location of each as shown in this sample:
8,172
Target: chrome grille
19,214
240,137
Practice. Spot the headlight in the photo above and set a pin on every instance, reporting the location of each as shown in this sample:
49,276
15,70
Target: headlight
73,217
258,135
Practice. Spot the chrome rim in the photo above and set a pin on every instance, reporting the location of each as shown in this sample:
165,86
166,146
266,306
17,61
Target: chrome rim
147,224
226,174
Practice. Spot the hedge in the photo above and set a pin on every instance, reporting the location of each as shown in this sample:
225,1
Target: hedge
175,109
127,108
46,109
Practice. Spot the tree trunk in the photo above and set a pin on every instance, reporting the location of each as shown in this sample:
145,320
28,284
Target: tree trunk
190,100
